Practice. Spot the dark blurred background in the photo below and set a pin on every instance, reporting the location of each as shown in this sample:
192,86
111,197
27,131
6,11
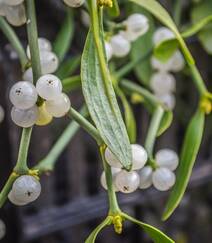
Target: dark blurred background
72,202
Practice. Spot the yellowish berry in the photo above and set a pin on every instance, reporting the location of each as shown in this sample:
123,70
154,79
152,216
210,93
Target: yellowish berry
105,3
117,222
136,98
206,105
44,118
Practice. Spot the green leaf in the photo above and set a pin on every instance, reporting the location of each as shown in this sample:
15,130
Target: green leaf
141,47
102,104
159,12
188,156
68,67
165,123
166,49
114,11
129,116
64,37
155,234
93,235
199,12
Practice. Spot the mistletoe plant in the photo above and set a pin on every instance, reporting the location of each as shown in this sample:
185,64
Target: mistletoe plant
41,96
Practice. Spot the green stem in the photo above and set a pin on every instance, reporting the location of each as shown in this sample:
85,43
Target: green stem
7,187
153,129
198,80
48,163
21,165
113,204
85,124
33,39
135,88
15,42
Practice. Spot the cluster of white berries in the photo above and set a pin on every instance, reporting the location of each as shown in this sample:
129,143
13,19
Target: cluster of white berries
162,178
25,190
14,11
49,60
119,45
162,82
142,177
2,229
24,95
74,3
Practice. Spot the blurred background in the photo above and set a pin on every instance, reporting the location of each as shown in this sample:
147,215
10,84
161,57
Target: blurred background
73,202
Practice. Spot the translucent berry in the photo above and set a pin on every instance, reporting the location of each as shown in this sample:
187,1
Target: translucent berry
2,229
139,156
177,62
108,50
168,100
49,62
59,106
103,179
120,46
159,65
2,114
49,87
44,118
167,158
43,45
23,95
127,182
145,177
24,118
85,18
136,26
162,83
28,75
14,200
162,34
111,159
163,179
2,9
15,15
74,3
26,188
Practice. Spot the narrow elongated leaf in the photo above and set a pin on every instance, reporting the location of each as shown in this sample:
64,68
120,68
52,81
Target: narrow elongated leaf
159,12
93,235
102,104
128,116
165,123
64,37
114,11
155,234
188,156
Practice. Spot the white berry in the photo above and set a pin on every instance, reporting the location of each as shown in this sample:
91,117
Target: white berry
111,159
2,8
49,62
139,156
168,100
23,95
14,200
43,45
136,26
127,182
15,15
163,179
2,229
162,83
177,62
24,118
162,34
103,178
14,2
120,46
28,75
167,158
59,106
49,86
145,177
26,188
108,50
74,3
85,18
